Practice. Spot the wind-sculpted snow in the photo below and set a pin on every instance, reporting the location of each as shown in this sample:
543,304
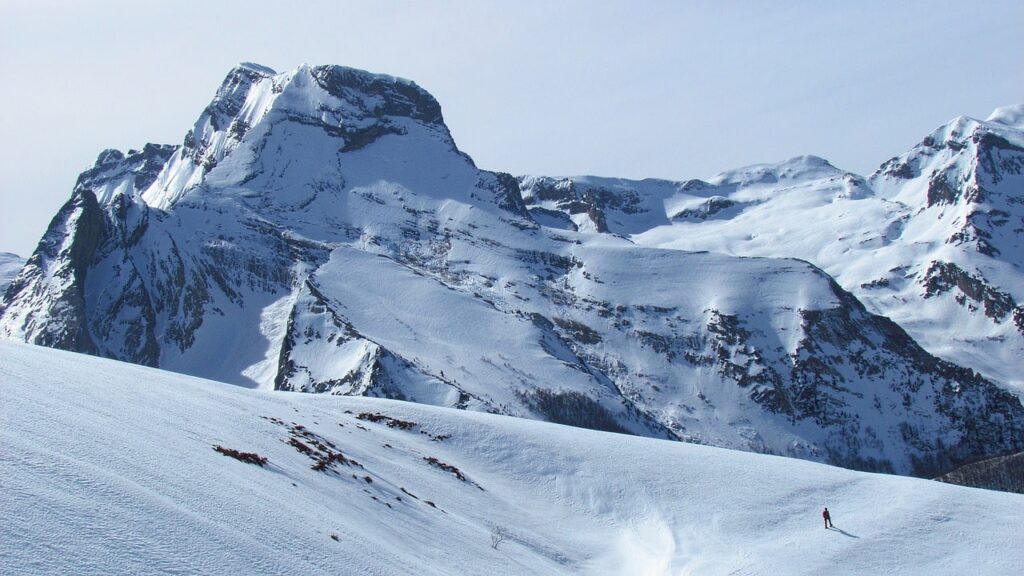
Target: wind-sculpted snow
110,468
319,231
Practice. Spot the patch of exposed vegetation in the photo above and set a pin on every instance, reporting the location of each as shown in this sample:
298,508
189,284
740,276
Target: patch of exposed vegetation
446,467
247,457
391,422
324,454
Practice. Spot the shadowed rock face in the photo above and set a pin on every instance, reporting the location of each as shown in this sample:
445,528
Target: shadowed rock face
66,251
944,277
594,200
379,95
319,231
139,168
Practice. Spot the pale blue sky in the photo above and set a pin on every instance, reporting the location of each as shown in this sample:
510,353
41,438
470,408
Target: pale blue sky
635,89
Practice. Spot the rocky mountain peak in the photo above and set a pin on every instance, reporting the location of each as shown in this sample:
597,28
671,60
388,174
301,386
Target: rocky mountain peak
115,172
378,94
965,175
255,108
960,144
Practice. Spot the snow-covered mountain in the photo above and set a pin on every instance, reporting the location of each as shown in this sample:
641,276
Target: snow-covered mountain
110,468
934,239
318,230
10,265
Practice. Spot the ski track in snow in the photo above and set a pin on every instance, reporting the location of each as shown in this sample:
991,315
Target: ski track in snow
108,468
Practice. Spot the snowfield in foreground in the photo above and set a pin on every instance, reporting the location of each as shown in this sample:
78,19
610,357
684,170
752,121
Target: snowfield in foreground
110,468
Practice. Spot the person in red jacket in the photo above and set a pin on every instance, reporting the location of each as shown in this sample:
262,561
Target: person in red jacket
828,519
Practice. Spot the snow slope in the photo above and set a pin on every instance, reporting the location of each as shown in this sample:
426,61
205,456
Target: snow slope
10,265
110,468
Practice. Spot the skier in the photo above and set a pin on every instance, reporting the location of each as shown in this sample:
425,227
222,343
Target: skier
828,519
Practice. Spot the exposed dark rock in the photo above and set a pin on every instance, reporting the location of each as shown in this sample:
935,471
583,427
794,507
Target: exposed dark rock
941,192
578,331
583,198
387,96
509,196
942,277
896,169
998,156
359,138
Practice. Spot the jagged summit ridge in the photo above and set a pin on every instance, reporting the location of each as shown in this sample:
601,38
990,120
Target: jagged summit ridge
318,230
258,68
352,106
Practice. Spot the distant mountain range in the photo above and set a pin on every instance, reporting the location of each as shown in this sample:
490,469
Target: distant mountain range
318,230
933,239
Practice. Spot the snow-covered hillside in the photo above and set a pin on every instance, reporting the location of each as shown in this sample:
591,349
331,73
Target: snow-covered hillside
111,468
319,230
10,265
